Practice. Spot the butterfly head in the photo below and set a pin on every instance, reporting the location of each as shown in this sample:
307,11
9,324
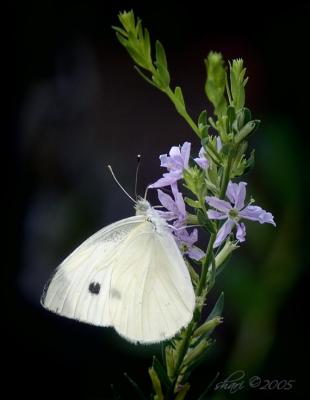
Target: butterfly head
143,207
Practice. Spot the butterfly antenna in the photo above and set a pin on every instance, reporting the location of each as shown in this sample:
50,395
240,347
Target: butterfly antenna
137,171
114,177
145,194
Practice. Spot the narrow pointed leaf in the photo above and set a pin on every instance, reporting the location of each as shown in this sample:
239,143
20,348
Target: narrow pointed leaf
179,95
218,308
207,327
161,373
136,388
156,384
161,58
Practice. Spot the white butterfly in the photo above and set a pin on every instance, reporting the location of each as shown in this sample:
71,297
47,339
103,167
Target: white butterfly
129,275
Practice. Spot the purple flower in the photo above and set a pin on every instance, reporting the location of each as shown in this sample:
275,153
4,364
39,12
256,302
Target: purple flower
186,242
175,163
177,213
233,211
201,159
176,207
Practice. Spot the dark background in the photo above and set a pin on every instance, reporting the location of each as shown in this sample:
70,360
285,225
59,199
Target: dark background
78,105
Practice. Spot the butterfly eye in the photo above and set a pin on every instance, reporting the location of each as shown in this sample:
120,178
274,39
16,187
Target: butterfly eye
94,288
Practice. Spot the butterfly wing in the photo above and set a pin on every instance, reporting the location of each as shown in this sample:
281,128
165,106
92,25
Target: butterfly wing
151,294
80,287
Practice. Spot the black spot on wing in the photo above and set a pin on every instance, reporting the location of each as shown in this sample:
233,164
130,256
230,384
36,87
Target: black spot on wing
94,287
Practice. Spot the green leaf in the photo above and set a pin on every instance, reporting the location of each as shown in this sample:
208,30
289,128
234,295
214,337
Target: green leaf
136,387
243,117
120,30
147,45
205,222
163,76
249,128
247,115
161,58
127,19
193,356
134,54
250,162
231,114
144,76
207,327
170,360
161,373
161,64
224,254
203,124
123,41
182,393
237,83
203,118
179,95
216,82
211,273
192,203
217,309
179,100
193,274
156,384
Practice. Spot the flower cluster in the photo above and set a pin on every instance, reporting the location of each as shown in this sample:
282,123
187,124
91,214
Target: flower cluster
176,162
232,211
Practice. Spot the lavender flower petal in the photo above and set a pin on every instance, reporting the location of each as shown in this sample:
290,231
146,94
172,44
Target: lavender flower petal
185,237
212,214
202,162
185,152
195,253
219,204
201,159
236,194
164,161
175,163
168,179
167,215
175,207
223,232
166,201
241,232
180,205
241,195
256,213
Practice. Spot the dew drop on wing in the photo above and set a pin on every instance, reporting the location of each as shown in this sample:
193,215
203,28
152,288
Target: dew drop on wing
94,287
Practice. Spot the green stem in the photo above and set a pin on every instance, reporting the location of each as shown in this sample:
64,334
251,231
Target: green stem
183,351
183,113
190,328
203,277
